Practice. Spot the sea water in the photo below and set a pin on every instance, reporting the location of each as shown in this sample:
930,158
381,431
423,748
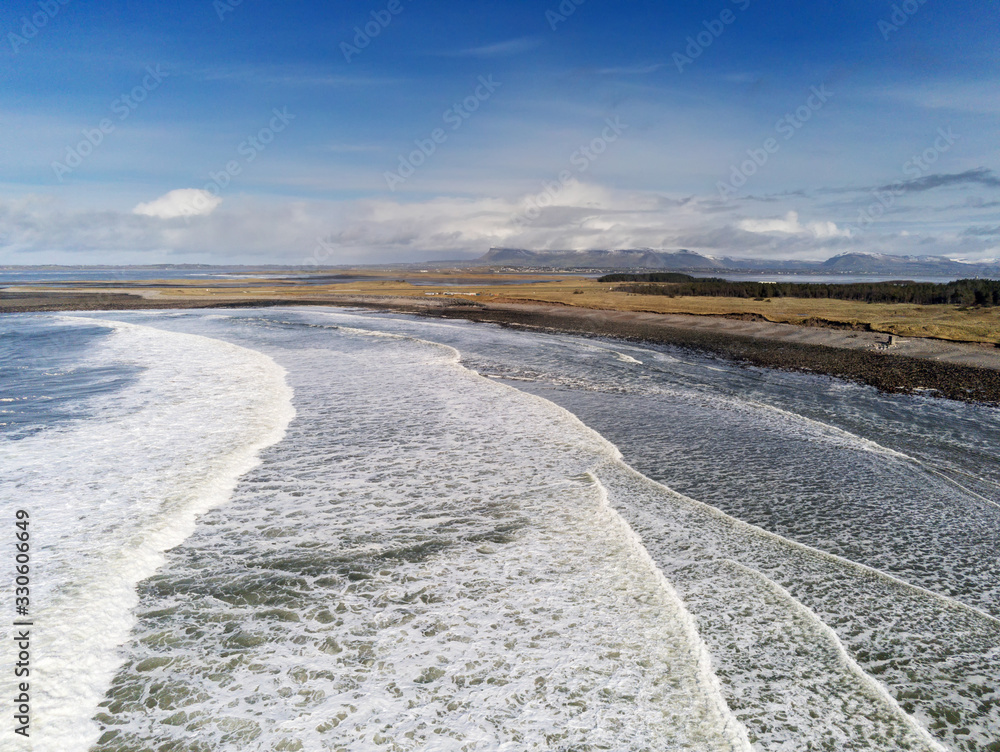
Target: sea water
322,529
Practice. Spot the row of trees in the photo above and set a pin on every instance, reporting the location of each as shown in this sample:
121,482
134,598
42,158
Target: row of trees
651,277
963,292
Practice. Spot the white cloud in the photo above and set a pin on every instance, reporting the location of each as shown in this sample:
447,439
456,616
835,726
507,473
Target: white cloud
792,226
184,202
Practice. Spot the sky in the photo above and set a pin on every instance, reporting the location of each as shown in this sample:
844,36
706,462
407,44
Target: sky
322,133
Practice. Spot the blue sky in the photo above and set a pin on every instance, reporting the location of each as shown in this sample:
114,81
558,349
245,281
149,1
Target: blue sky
212,132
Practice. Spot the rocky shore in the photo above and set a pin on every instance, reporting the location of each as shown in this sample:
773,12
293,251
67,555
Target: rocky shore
884,370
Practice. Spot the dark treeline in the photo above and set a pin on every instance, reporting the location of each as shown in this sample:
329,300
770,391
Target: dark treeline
651,277
964,292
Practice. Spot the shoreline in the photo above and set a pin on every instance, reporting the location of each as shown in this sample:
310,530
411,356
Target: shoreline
964,372
883,369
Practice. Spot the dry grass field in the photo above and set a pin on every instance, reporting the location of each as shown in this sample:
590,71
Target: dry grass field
939,321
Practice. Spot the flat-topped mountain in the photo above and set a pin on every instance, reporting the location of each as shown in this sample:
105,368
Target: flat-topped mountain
883,263
641,258
683,260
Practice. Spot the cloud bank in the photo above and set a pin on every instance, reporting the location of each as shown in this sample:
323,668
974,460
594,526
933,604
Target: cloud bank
192,226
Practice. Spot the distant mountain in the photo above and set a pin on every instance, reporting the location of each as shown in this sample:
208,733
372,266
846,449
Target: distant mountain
642,258
880,264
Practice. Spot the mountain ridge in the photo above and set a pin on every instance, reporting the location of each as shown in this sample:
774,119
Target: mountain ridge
685,260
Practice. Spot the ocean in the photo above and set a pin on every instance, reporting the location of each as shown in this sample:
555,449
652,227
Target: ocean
330,529
66,275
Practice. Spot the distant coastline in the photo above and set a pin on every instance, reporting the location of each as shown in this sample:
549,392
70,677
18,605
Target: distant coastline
845,267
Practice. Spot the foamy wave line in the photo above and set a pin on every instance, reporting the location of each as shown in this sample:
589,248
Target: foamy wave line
93,617
615,454
857,566
733,730
704,655
863,443
866,679
851,439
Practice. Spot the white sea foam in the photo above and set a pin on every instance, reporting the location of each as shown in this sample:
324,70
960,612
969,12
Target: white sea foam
108,495
935,664
926,647
423,564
